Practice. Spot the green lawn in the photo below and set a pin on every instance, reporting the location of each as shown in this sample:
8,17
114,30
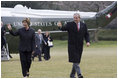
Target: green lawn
98,61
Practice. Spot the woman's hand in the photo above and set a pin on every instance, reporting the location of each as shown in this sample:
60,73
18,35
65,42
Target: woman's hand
49,38
9,26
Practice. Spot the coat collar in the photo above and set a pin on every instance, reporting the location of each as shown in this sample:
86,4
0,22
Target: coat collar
80,23
25,29
76,25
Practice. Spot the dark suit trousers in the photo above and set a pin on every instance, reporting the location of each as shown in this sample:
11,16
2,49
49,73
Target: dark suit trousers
37,54
46,53
75,69
25,58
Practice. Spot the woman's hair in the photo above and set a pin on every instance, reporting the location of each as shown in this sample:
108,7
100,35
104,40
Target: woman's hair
27,20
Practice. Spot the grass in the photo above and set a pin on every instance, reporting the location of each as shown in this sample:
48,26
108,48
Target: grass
109,34
98,61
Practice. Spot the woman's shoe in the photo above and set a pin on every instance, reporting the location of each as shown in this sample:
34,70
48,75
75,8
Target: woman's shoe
27,74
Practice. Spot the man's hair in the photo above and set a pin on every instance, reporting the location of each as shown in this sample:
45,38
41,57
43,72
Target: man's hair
39,30
77,14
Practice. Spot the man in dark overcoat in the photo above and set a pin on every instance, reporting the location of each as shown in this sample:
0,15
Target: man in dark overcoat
77,32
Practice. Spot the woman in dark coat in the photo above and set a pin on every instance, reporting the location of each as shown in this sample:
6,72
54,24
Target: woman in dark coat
46,47
26,45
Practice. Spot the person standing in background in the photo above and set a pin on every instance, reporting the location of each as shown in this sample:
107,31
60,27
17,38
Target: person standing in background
41,40
77,32
26,45
3,39
38,42
47,38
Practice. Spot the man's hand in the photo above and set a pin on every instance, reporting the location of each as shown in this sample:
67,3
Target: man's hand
32,52
87,44
59,24
46,43
9,26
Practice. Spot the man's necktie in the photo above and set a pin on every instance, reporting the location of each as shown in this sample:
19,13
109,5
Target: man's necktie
78,27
